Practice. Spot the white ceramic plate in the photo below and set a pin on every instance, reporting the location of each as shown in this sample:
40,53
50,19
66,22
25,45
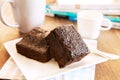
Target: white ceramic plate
34,70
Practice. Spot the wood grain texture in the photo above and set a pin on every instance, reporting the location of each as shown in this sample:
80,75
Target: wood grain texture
108,41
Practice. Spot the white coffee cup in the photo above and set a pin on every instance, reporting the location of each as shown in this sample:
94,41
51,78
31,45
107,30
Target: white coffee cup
91,22
27,13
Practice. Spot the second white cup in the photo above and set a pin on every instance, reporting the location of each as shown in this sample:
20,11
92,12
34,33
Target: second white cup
91,22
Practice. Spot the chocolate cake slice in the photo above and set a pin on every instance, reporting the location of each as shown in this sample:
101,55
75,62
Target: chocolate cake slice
66,45
34,45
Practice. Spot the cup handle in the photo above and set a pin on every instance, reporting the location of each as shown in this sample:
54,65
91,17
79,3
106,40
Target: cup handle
106,24
3,19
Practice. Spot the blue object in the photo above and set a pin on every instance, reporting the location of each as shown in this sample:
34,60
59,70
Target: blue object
73,16
113,18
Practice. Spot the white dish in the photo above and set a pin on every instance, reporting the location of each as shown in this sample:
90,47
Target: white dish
34,70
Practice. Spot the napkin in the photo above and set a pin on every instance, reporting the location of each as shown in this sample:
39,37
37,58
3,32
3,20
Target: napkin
11,71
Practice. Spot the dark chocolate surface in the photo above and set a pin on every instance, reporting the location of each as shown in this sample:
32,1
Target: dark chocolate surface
34,45
66,45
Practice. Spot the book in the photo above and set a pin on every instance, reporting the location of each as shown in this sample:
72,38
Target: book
110,9
89,7
116,25
113,15
113,18
88,2
73,15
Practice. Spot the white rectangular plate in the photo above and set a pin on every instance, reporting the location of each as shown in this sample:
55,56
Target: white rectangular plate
34,70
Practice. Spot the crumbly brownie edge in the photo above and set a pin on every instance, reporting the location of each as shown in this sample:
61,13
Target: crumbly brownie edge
32,54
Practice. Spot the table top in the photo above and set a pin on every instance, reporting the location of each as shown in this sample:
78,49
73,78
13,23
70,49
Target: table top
108,41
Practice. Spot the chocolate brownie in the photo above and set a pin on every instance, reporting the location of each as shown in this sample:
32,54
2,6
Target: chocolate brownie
66,45
34,45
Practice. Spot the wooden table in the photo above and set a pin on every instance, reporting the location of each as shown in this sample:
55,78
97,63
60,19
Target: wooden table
108,41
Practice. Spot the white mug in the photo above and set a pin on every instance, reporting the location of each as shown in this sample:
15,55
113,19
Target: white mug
91,22
27,13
